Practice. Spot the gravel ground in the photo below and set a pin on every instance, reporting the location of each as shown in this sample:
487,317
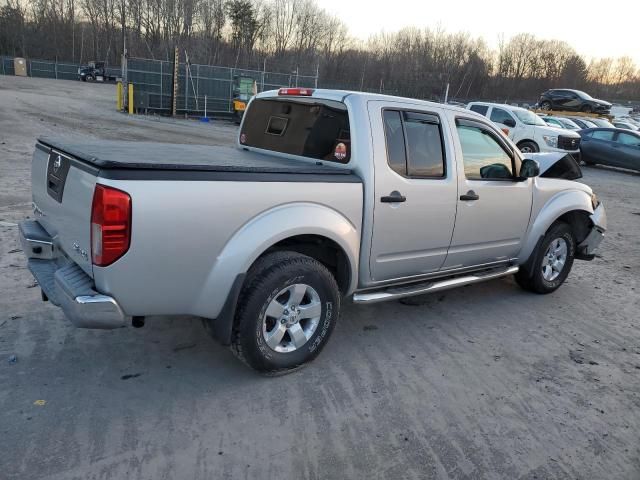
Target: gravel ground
481,382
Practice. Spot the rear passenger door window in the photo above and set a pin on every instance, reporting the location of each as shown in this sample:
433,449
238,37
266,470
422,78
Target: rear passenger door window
483,155
481,109
414,144
628,139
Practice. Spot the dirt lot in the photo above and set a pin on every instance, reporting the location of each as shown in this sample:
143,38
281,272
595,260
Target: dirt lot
483,382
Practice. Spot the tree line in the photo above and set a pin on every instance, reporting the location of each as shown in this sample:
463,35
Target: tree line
299,36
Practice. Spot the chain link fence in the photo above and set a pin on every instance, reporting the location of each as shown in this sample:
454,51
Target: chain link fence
200,87
49,69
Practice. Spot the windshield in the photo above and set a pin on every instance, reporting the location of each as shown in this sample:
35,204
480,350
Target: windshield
528,118
571,125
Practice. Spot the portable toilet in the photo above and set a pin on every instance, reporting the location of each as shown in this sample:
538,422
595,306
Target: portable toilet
20,67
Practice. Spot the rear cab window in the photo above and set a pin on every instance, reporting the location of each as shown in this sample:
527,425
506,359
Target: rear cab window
310,127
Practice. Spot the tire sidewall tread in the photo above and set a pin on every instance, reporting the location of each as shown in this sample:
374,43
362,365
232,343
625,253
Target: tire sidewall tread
266,279
533,280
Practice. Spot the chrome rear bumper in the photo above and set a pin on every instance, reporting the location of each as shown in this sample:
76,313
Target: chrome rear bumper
66,285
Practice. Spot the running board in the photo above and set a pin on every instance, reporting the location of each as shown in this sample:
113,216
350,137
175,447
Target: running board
394,293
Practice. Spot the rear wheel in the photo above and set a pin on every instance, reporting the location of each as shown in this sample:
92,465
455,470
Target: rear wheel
286,312
552,263
528,147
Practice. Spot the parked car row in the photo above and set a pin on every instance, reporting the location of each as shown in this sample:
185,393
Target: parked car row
595,140
527,130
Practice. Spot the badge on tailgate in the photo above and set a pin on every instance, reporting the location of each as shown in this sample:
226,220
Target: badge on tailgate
57,170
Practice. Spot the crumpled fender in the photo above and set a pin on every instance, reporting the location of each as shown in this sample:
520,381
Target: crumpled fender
265,230
554,208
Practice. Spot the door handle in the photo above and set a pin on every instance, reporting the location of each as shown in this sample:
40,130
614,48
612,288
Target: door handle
470,195
394,197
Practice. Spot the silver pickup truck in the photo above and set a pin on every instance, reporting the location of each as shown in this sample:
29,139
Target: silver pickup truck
328,195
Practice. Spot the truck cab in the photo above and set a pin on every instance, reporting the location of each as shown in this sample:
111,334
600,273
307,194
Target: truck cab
527,130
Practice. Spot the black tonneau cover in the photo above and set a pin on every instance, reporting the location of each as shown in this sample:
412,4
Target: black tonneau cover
121,155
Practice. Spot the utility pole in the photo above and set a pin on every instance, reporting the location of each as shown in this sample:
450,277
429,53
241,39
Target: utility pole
176,66
446,94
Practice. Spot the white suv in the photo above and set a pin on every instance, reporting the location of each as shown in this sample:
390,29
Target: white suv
527,130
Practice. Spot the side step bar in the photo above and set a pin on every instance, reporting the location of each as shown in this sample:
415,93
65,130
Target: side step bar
394,293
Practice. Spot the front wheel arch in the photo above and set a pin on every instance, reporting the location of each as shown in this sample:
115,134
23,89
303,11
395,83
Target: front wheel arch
527,142
578,220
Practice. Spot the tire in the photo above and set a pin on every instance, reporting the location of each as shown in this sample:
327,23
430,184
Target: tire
90,78
586,109
268,323
528,147
559,235
546,105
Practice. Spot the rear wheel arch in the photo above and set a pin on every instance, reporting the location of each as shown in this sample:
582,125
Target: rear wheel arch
323,249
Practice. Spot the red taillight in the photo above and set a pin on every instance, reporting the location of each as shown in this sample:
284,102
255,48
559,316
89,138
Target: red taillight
110,225
298,92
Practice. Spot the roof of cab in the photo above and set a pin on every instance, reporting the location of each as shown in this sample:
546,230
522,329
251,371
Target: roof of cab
340,95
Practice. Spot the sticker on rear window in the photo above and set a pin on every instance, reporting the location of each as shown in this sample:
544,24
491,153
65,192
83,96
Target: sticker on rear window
340,151
243,138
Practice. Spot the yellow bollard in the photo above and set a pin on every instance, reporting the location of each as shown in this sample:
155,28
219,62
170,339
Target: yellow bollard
119,96
131,99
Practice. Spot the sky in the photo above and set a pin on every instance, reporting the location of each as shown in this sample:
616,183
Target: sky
594,31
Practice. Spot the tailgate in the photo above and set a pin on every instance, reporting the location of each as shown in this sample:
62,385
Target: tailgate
62,189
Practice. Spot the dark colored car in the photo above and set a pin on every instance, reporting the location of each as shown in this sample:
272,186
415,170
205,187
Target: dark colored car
572,101
610,146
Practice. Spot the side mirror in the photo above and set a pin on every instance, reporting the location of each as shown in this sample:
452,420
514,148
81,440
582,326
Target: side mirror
509,122
529,169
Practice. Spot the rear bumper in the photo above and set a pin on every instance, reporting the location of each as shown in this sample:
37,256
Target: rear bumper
66,285
587,248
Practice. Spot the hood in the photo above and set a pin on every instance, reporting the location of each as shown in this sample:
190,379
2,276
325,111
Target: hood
556,165
550,130
602,102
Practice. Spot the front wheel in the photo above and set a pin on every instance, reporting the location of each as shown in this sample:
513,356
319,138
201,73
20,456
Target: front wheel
286,312
586,109
546,105
528,147
552,263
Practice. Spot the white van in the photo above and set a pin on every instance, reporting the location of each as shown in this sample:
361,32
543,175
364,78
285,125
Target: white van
527,130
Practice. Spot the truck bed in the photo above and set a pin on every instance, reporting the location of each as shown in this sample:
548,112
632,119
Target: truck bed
107,155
